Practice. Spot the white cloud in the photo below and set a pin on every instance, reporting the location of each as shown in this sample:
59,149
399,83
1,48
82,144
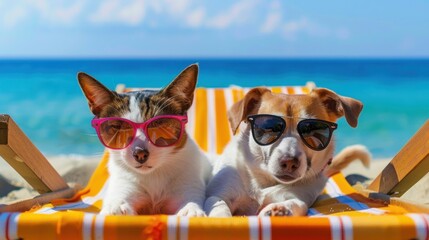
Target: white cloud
134,12
67,14
273,19
304,26
13,16
196,18
292,28
58,12
238,13
269,16
177,7
115,11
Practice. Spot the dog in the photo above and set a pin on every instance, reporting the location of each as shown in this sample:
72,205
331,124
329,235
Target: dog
154,167
278,161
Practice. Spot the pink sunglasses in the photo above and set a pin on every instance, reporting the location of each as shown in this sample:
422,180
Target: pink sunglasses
119,133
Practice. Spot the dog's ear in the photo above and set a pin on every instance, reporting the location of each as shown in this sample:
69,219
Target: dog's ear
97,94
182,88
245,107
340,106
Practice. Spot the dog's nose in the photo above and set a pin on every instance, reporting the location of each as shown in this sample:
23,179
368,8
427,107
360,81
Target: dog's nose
289,164
140,155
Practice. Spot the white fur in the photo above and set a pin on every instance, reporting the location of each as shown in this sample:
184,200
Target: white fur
171,181
245,181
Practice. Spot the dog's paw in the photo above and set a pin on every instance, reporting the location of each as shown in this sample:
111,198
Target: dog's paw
122,209
275,209
216,207
191,210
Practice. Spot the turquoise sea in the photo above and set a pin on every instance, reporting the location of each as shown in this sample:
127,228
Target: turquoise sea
45,100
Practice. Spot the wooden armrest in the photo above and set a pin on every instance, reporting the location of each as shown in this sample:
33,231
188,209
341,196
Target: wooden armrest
26,159
26,204
407,167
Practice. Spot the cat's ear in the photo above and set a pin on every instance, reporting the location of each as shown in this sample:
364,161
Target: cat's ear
97,94
181,89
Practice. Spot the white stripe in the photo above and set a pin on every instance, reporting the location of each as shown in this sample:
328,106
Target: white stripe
284,90
335,228
13,226
253,228
298,90
87,226
184,225
3,221
99,226
266,228
229,101
332,188
229,98
211,119
426,217
190,126
374,211
172,227
348,227
420,224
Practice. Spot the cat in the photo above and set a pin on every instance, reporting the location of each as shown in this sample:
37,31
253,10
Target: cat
154,166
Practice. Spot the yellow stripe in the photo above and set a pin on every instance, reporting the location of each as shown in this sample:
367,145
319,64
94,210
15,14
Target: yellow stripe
305,90
397,227
344,186
99,177
135,227
237,94
72,226
201,118
29,224
276,89
290,90
55,226
223,132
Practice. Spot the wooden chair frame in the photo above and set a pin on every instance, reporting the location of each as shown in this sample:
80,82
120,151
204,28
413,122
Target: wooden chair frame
18,150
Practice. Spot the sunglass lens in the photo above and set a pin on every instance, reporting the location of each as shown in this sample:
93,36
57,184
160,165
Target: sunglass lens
267,129
316,134
164,131
116,134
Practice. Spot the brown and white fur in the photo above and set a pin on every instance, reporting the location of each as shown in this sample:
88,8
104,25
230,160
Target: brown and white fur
245,182
146,179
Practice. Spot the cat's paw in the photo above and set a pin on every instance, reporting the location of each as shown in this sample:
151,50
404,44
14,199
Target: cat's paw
191,210
275,209
121,209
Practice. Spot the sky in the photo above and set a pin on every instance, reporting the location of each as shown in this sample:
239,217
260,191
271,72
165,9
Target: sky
213,29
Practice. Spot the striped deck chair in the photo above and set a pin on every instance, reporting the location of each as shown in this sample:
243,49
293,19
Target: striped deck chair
341,212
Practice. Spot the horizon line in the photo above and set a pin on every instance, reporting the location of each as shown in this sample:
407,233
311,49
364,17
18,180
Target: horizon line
3,58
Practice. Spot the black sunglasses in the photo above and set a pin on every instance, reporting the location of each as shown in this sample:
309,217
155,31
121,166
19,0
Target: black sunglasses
315,133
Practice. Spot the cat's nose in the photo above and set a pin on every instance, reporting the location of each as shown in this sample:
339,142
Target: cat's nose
140,155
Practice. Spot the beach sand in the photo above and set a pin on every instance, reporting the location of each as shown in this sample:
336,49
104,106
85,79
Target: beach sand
78,170
75,169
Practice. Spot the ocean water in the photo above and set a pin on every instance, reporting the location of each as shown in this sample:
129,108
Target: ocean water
44,98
